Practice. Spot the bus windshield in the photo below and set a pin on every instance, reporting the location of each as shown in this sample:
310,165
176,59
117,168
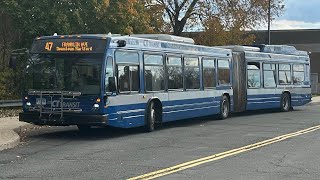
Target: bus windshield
65,72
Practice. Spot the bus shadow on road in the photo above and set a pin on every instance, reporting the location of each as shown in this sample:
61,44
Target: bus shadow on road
215,118
261,112
98,133
72,133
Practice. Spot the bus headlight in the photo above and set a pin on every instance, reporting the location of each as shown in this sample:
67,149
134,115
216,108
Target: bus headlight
95,107
27,106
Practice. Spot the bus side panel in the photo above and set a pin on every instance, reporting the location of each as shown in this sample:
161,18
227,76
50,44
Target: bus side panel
298,99
266,99
127,111
126,116
190,104
299,95
262,99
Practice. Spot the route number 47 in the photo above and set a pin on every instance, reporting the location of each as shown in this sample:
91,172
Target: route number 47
48,46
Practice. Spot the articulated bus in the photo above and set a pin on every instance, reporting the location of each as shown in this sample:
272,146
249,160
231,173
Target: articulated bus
146,80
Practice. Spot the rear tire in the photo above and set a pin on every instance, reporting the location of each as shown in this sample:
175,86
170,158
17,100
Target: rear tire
285,103
224,108
150,117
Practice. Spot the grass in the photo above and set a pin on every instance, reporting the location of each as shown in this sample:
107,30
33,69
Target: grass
9,112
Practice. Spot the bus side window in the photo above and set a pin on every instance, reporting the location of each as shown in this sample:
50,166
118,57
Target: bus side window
298,74
284,74
175,76
307,74
269,75
192,72
154,72
209,73
253,75
223,72
128,71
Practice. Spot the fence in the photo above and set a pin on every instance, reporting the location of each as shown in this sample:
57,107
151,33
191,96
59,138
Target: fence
10,103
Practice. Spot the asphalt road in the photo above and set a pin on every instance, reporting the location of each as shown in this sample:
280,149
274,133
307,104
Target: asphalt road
109,153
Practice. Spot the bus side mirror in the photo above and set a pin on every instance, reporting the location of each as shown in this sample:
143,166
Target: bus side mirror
112,84
13,62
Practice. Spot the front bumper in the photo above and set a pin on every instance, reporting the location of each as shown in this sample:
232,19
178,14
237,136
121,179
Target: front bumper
67,119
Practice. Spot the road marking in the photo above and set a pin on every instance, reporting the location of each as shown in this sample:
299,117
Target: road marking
197,162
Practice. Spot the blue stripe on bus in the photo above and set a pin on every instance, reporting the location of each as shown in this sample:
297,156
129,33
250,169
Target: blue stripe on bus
133,115
269,101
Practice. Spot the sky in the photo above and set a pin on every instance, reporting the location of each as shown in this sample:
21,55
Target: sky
298,14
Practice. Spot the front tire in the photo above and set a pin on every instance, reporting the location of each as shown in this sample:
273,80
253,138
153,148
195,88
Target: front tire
285,104
224,108
150,117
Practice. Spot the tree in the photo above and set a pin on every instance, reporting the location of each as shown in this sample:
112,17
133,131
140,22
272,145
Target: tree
7,37
217,34
184,15
127,17
22,21
178,13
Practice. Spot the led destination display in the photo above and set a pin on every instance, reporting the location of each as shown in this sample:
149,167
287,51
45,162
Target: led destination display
69,46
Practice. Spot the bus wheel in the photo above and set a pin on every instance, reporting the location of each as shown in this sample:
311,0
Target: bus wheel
224,107
151,117
285,103
84,128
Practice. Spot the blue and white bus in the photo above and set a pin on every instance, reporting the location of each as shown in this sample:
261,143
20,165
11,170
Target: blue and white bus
146,80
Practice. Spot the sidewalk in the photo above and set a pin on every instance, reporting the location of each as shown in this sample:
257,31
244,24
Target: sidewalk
315,100
10,125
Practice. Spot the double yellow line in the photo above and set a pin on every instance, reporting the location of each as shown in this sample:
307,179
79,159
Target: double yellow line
222,155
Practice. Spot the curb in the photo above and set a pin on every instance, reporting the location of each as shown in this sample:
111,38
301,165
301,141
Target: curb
13,139
13,136
313,103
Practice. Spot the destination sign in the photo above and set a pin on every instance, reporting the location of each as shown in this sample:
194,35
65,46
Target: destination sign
69,46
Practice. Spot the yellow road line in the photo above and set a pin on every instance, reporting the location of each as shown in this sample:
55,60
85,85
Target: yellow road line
222,155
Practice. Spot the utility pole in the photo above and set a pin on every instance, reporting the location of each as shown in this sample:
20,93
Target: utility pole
269,15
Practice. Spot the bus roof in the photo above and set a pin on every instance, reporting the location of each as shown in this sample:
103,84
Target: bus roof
165,37
165,45
86,36
273,49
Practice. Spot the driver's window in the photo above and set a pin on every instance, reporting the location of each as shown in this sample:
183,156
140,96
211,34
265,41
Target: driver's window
109,72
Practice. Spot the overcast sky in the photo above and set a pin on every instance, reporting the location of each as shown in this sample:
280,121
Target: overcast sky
298,14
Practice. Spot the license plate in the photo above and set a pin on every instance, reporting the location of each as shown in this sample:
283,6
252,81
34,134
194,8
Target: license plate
41,101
